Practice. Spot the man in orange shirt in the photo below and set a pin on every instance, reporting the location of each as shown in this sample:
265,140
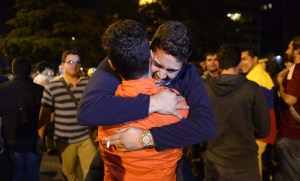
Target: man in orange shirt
126,44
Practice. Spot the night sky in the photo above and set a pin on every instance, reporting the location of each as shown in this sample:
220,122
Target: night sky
277,27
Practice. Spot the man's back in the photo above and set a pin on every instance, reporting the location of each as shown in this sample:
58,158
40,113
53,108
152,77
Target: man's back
241,115
20,108
142,164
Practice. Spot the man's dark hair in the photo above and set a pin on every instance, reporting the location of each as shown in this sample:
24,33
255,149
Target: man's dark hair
296,42
174,39
251,51
21,67
69,52
126,44
229,56
210,52
42,65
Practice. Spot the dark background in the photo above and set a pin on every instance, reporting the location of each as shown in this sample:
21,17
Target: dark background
42,29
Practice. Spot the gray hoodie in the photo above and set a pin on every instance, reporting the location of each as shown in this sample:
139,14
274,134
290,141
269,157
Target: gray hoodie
242,116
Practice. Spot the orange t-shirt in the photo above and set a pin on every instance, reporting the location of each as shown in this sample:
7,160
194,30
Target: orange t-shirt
146,164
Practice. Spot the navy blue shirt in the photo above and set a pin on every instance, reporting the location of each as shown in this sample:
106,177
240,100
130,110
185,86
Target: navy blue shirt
100,106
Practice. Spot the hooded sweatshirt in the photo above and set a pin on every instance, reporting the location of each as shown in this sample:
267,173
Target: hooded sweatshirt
241,115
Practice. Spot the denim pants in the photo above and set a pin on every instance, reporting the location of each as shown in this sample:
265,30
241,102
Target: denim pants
288,151
96,170
26,166
5,165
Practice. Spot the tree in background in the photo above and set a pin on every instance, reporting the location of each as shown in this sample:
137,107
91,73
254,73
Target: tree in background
43,29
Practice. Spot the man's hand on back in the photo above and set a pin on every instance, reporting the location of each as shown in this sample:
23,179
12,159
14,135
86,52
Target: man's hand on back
125,139
166,102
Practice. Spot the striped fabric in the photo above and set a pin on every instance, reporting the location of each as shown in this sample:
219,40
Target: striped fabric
57,98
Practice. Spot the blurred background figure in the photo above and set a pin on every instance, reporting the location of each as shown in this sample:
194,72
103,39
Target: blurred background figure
212,65
288,143
19,107
91,71
3,78
45,74
255,72
43,77
263,62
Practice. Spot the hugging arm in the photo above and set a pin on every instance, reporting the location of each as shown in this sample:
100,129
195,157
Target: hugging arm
200,124
198,127
100,107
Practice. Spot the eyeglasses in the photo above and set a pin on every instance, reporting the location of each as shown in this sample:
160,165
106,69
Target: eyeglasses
72,62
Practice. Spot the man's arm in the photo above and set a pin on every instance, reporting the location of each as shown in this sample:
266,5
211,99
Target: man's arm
100,106
198,127
44,119
261,118
288,99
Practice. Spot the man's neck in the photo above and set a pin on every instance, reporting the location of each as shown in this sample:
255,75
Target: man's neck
297,60
71,79
231,71
213,74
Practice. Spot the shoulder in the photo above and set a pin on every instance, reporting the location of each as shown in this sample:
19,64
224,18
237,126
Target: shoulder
54,84
83,79
250,84
38,86
188,72
191,69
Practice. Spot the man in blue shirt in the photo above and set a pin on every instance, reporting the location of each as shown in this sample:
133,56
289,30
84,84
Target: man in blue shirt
99,106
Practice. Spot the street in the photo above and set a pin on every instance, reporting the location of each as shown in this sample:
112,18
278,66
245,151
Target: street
50,168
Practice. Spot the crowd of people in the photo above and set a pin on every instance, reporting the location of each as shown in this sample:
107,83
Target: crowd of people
153,110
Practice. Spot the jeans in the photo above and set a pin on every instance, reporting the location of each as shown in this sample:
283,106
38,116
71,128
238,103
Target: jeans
183,171
288,151
26,166
5,165
96,171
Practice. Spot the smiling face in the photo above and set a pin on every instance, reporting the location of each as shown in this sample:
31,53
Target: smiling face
164,67
212,63
247,62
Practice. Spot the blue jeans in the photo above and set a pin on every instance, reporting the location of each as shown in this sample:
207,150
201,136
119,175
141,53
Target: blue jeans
5,165
96,170
288,151
26,166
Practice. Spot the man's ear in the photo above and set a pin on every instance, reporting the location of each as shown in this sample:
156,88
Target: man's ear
111,65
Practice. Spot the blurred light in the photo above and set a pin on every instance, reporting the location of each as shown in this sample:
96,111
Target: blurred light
270,5
145,2
73,38
267,6
278,59
234,16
